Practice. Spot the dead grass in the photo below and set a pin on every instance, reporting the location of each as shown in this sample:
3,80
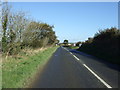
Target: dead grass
25,52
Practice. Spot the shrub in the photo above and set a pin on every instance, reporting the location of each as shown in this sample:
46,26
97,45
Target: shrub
105,44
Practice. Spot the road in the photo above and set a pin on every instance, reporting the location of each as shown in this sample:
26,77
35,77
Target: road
72,69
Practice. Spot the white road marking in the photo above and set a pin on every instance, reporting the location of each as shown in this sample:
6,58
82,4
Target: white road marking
71,53
76,57
107,85
66,49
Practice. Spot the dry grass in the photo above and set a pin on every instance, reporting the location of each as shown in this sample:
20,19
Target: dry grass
25,52
31,51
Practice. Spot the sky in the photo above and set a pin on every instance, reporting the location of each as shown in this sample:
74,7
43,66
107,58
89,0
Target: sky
74,21
61,0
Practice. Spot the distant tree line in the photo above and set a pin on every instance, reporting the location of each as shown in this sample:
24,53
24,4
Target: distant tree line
19,31
105,44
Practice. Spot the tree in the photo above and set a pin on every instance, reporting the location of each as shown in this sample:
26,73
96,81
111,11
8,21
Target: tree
78,43
18,31
39,34
57,41
65,42
13,24
5,19
19,24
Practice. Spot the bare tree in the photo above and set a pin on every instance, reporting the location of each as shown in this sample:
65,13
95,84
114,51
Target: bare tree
0,21
19,24
5,17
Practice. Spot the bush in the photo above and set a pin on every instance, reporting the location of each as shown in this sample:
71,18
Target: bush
105,44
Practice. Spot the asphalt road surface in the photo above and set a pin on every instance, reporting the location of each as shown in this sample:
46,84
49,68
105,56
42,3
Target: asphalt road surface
69,68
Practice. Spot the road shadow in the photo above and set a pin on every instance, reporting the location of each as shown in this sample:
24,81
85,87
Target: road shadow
108,64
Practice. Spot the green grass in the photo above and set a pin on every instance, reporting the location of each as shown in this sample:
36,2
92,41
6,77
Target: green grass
73,47
17,72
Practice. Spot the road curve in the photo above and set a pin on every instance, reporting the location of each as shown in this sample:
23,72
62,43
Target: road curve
70,69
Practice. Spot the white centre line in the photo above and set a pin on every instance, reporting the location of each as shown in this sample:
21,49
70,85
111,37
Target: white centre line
108,86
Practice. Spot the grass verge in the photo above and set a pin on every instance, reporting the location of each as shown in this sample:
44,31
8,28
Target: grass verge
73,47
17,72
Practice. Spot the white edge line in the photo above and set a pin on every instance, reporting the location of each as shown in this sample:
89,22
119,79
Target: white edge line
76,57
66,49
108,86
71,53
